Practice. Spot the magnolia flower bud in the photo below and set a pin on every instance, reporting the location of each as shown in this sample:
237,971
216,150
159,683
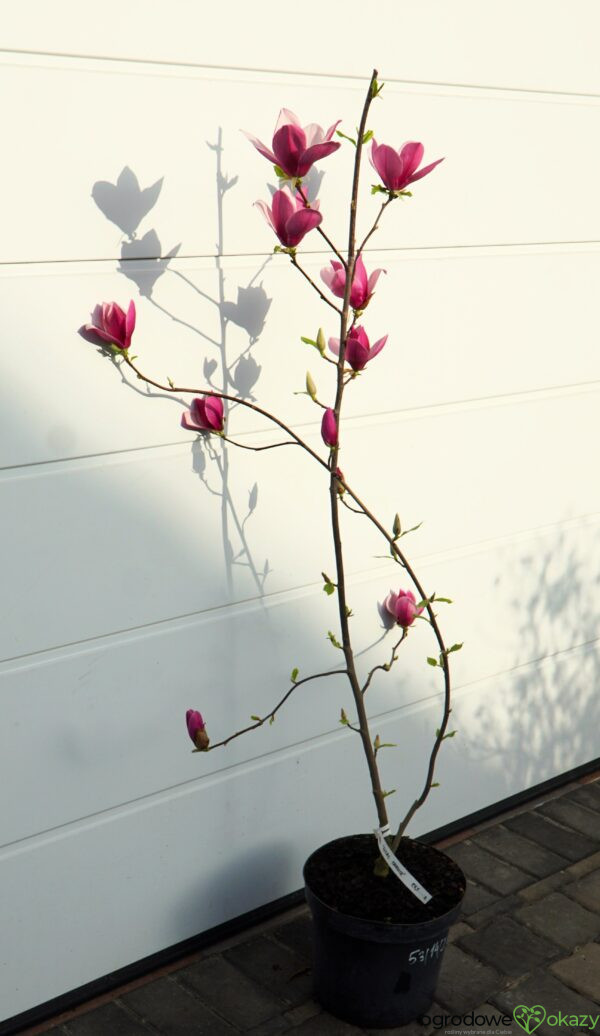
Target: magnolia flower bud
311,388
329,428
321,341
197,729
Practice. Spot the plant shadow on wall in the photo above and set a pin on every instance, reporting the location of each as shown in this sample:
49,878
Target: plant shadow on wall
126,204
547,719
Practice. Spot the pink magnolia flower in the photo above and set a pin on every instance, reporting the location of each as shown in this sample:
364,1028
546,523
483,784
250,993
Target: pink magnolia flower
197,729
358,349
362,286
329,428
403,607
205,415
296,149
398,169
289,217
112,325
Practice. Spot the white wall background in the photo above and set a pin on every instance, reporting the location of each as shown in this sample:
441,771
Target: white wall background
136,582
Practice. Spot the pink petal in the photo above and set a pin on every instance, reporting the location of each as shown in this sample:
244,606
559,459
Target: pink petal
129,323
314,134
300,224
213,409
390,603
284,207
425,170
289,145
389,166
411,155
261,147
264,208
332,130
313,154
98,331
377,347
334,345
187,422
373,281
286,117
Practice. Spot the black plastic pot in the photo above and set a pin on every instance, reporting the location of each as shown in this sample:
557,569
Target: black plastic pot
375,973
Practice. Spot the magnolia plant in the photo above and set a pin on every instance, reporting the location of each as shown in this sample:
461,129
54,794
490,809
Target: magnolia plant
294,151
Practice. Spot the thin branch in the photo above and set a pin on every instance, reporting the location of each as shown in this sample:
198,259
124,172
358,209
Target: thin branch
257,449
232,399
270,715
385,666
295,263
320,230
375,226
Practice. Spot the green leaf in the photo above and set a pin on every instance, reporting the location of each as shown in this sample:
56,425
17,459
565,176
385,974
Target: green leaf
432,661
443,600
412,529
279,173
386,793
307,341
256,719
455,647
349,612
294,675
451,733
332,637
339,133
367,136
329,589
378,189
271,720
435,784
343,718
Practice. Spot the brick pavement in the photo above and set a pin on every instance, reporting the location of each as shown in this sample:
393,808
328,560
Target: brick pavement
529,934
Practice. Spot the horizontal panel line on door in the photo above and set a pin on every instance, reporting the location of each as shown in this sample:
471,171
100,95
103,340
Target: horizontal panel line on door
163,64
47,655
261,759
501,246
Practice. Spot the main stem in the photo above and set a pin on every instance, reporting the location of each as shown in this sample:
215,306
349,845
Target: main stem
363,722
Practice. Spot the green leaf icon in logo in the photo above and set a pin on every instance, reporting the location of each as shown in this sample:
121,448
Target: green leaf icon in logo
529,1018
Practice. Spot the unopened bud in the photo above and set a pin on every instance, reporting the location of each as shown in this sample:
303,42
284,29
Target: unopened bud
321,341
311,388
397,528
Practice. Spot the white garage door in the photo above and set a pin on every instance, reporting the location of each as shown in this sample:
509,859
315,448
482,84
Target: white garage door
142,577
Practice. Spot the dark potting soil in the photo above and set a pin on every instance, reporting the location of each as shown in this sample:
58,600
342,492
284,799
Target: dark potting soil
341,875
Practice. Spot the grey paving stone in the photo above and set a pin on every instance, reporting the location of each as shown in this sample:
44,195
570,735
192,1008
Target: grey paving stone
586,891
415,1028
543,988
458,929
229,992
587,795
525,854
569,844
541,888
487,869
560,919
502,906
585,866
509,947
465,981
300,1014
326,1025
297,936
110,1018
581,971
585,821
171,1009
476,898
274,967
272,1027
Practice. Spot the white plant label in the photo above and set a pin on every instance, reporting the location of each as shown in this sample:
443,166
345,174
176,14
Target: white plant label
396,867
